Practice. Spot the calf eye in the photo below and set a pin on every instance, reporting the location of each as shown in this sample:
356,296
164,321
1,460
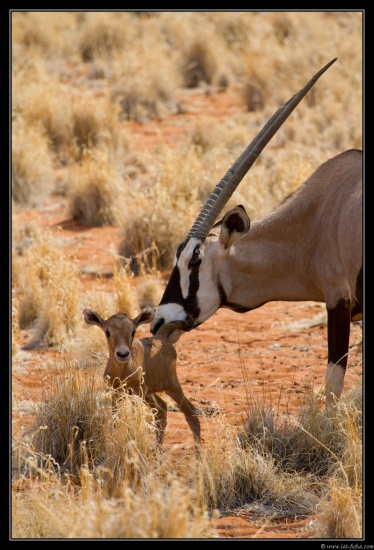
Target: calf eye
107,333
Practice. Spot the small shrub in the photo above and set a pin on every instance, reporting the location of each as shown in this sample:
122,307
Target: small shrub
15,324
253,98
283,28
75,426
101,38
49,291
32,179
94,124
94,190
340,512
198,64
302,445
138,249
141,99
150,292
127,301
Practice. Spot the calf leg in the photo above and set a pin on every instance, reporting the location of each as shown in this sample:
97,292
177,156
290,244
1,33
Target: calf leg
160,408
188,409
338,330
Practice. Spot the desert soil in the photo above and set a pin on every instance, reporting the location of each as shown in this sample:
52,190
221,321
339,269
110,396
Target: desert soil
277,352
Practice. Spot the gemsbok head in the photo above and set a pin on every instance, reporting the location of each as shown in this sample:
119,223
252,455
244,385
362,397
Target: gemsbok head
307,248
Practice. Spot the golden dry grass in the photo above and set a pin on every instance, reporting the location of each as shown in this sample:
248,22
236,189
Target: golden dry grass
52,305
81,451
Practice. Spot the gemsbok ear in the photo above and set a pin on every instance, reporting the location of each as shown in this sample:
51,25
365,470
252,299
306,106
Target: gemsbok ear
235,223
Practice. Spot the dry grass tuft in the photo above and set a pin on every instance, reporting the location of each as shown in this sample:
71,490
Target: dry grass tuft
93,192
149,292
127,301
253,96
76,426
234,29
30,33
233,478
71,124
324,445
141,100
283,27
340,512
313,442
50,288
93,125
104,36
15,324
138,248
198,64
32,178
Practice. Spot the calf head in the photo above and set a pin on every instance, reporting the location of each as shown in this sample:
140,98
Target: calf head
119,330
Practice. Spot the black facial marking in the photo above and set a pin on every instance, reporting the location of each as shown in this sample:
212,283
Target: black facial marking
190,304
180,249
195,260
173,291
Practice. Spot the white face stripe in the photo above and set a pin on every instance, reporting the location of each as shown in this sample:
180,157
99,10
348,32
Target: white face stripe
182,264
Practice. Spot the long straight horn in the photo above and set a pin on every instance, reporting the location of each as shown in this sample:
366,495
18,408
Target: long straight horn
226,187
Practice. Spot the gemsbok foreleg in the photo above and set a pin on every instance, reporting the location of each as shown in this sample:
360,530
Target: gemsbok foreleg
338,330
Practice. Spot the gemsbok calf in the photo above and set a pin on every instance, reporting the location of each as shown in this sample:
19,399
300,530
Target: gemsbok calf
144,366
307,248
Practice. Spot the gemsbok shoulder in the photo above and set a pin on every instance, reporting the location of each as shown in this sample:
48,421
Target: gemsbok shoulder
307,248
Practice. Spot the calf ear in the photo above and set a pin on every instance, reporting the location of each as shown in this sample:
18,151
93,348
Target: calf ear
93,318
235,223
145,316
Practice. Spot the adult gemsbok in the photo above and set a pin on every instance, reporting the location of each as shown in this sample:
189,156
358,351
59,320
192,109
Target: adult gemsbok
308,248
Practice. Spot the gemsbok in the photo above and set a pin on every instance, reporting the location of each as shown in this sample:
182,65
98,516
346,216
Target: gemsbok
307,248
